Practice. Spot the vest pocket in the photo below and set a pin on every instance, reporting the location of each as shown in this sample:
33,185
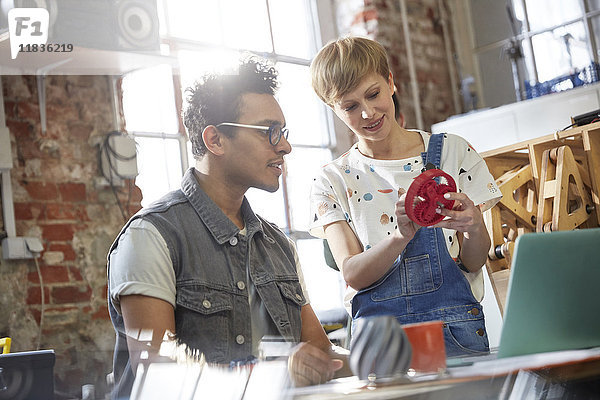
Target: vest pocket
203,300
292,291
290,322
202,319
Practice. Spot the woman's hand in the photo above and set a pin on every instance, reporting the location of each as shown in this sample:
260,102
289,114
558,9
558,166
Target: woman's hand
464,217
406,227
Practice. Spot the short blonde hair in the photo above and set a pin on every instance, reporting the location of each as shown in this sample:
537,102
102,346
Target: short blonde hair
341,64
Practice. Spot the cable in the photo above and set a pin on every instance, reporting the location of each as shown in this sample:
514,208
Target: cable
37,266
109,153
569,126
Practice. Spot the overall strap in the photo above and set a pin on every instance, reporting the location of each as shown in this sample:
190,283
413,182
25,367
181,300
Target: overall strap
434,151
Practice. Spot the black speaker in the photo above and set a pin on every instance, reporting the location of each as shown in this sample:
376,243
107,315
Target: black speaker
124,25
27,375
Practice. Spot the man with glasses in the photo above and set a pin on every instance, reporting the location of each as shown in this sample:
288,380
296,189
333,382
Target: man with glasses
199,264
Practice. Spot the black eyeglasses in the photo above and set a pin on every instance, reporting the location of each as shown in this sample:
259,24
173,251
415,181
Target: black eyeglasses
274,131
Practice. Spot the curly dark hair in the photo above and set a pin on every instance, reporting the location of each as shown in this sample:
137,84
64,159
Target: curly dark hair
216,98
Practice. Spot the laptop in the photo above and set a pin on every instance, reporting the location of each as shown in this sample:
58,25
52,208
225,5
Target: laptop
553,300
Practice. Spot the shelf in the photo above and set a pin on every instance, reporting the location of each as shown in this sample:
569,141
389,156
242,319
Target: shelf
81,61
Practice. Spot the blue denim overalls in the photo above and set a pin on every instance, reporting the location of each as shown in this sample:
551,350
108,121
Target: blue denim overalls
426,284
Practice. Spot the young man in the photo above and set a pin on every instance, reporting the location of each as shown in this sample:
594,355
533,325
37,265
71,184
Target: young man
199,263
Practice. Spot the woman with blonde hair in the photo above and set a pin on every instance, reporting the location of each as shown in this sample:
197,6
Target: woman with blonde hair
392,265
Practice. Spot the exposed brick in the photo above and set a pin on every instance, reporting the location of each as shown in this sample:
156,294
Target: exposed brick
23,211
50,274
67,250
62,112
80,131
102,313
136,193
36,313
133,208
34,295
75,274
66,211
28,110
41,190
364,16
58,232
71,294
10,108
62,316
72,192
21,130
61,309
53,257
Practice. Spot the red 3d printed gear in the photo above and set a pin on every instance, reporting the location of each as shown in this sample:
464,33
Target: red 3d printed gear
425,195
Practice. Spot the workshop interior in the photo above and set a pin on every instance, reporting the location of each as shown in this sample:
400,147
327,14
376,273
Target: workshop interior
91,131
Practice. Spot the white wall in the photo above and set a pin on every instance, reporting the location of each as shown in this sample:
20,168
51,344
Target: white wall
517,122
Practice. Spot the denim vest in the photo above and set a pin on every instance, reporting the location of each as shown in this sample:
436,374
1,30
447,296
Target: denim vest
426,284
211,261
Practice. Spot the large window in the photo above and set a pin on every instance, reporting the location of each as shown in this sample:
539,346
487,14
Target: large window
558,40
558,36
205,36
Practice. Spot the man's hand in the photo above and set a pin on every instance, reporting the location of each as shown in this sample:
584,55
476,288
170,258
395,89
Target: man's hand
309,365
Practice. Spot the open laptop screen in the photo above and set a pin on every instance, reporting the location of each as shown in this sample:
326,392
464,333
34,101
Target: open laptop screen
553,300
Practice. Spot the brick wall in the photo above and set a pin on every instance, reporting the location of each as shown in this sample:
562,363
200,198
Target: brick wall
381,20
57,199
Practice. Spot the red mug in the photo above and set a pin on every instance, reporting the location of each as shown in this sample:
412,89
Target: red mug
428,349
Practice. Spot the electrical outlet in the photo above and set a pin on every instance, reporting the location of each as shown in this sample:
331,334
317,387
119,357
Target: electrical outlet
118,158
21,247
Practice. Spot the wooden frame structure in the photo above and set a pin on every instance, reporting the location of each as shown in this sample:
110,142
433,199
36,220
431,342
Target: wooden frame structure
549,183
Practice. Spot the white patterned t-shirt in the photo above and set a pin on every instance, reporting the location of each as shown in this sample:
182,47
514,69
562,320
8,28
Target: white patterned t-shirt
363,191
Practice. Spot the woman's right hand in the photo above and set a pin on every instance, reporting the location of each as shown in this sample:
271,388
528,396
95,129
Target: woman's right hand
406,227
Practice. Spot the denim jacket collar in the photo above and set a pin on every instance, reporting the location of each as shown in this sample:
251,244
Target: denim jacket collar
219,225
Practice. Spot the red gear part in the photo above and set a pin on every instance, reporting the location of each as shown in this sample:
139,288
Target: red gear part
425,195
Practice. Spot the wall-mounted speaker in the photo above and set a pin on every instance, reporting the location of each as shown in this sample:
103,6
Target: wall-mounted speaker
125,25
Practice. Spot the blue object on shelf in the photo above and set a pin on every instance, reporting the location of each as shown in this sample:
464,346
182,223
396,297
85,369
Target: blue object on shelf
587,75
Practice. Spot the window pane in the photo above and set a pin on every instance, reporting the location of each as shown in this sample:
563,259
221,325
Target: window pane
150,107
546,13
528,59
304,112
246,25
561,51
195,20
268,205
595,22
159,166
593,5
194,64
292,30
325,286
302,166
